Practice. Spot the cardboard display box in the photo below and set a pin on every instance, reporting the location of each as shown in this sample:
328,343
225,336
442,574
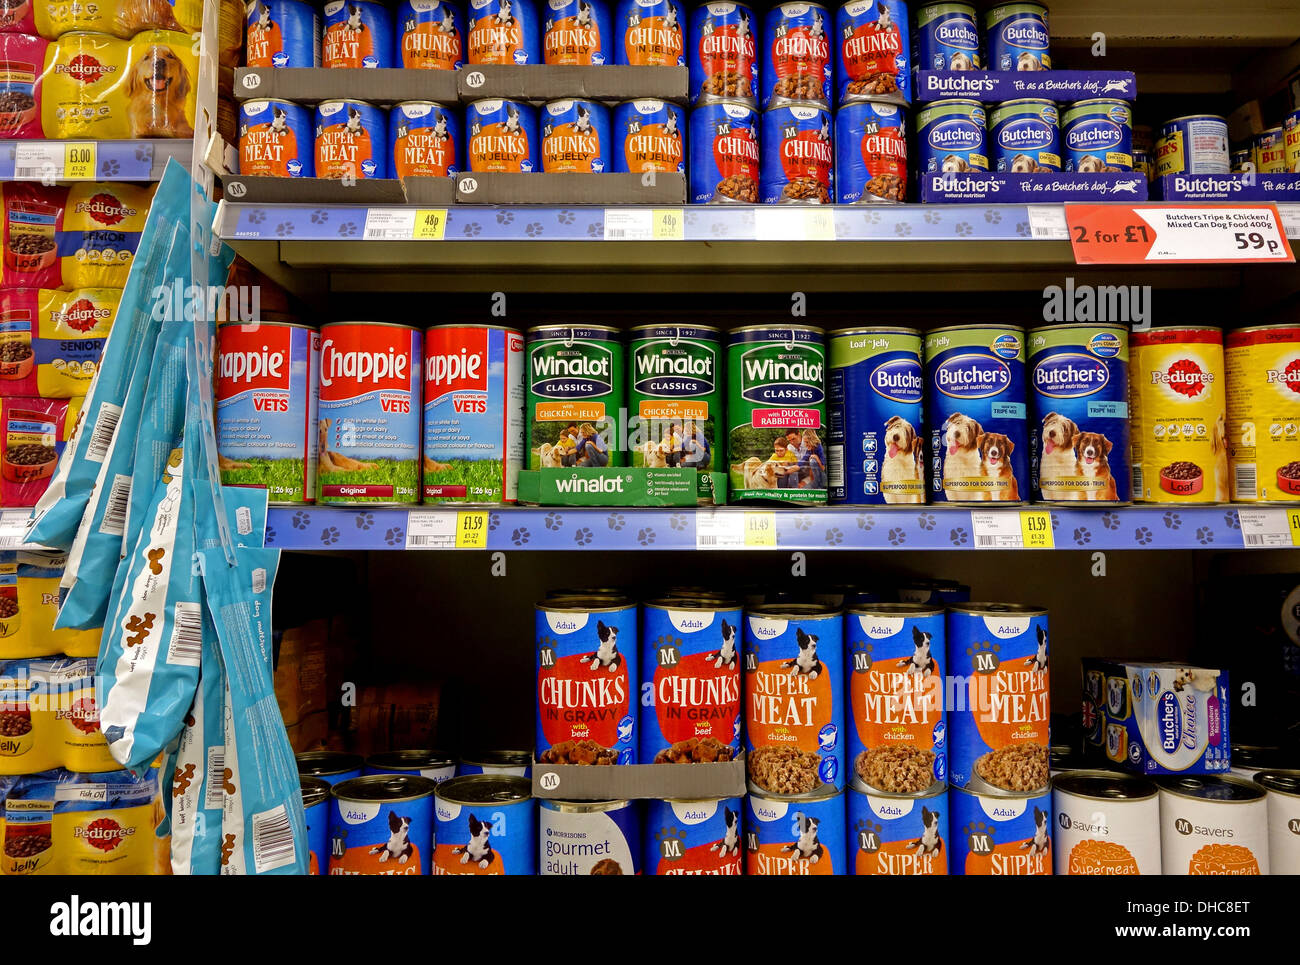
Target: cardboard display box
998,187
539,188
620,487
539,83
437,192
1228,187
681,782
311,85
994,86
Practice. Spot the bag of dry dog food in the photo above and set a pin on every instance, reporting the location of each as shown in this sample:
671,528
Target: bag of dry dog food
102,223
33,221
33,436
55,338
22,63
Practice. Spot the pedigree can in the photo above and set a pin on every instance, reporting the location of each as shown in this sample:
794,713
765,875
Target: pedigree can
694,837
1213,825
1107,823
648,135
589,838
1283,789
723,54
575,389
795,836
675,397
1262,364
577,33
1000,834
898,834
650,33
485,824
797,63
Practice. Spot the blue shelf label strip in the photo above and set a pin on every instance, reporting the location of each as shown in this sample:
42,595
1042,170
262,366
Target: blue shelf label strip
114,160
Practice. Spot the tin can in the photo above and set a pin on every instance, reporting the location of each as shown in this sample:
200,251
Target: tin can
507,763
435,765
381,825
1098,136
425,140
1000,834
1196,144
1249,759
276,140
1242,160
724,154
1017,37
1269,151
723,54
330,766
898,834
575,388
316,806
502,136
1262,365
577,33
675,397
1213,826
1142,164
1283,802
797,62
351,140
485,825
947,37
266,408
693,837
647,136
870,153
650,33
503,32
282,33
951,137
575,137
795,836
1291,141
937,592
1106,824
430,35
873,52
369,414
358,33
1025,136
588,838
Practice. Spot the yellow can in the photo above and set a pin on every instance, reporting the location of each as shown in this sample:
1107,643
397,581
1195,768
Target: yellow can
1291,141
1177,408
1269,151
1263,368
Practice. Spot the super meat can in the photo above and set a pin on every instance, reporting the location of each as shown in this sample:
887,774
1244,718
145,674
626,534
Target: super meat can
1213,825
870,153
776,412
509,763
1026,136
1000,834
723,54
381,825
485,825
473,413
1269,151
1106,824
351,140
693,837
647,136
588,838
575,137
502,136
724,154
586,682
369,414
1017,37
877,439
575,389
898,834
275,140
1097,135
951,137
1283,802
998,726
947,37
1196,144
316,808
577,33
675,396
425,140
1262,364
873,52
795,836
650,33
503,32
434,765
797,63
266,408
358,33
330,766
430,35
282,33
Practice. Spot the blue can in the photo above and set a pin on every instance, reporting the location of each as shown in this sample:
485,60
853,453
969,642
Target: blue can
694,837
1025,136
282,33
798,156
994,834
276,139
797,63
430,35
650,33
724,154
870,153
976,411
485,824
793,836
589,838
434,765
510,763
896,834
1017,37
577,33
950,137
872,52
649,135
503,32
330,766
382,825
1098,136
501,136
316,804
947,37
723,55
358,33
575,137
425,140
351,140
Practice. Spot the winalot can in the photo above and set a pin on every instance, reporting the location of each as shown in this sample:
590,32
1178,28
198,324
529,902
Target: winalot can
575,389
675,397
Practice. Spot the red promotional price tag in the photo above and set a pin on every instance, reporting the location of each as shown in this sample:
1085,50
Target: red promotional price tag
1125,234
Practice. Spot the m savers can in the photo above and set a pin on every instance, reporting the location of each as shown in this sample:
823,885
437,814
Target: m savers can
485,824
1262,364
675,396
724,154
577,33
1213,825
694,837
795,836
723,53
575,389
898,834
647,136
1106,824
1283,802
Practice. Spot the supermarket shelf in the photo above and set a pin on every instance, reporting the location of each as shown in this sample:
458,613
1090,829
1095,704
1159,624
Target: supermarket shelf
138,160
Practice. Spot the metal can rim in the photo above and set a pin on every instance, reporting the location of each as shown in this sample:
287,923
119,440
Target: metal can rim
1148,788
498,758
583,807
410,328
895,609
354,761
496,328
826,793
505,783
777,327
794,611
411,759
1279,780
353,789
1168,785
561,327
1194,117
983,609
653,325
705,604
259,324
977,327
572,606
869,330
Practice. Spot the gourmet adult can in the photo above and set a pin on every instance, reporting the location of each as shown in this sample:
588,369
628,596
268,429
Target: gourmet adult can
266,402
1000,834
586,682
425,140
473,413
951,137
795,836
577,33
381,825
794,698
723,54
330,766
894,665
1107,823
647,136
1098,136
1025,136
1079,443
276,140
588,838
316,807
675,396
575,137
503,32
998,652
693,837
1178,415
797,63
872,52
369,414
776,413
485,825
1283,802
898,834
575,389
502,136
875,388
947,37
1196,144
975,377
1269,151
1262,364
510,763
724,154
1291,141
358,33
434,765
650,33
1017,37
1213,825
282,33
430,35
870,153
351,140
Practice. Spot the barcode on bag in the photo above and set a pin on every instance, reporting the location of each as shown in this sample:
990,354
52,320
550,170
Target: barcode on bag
259,580
1243,481
119,496
272,840
1138,490
186,646
836,467
101,437
214,794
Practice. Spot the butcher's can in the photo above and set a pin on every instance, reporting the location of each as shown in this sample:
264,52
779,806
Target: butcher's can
1269,151
1196,144
1291,141
1097,136
1026,136
951,137
947,37
1017,37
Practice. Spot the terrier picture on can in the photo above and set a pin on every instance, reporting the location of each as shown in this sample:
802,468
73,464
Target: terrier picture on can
730,843
399,840
726,655
479,850
607,654
806,663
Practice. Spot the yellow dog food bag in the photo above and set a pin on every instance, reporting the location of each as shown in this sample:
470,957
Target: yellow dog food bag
122,18
25,745
159,91
83,95
37,577
102,223
64,334
72,723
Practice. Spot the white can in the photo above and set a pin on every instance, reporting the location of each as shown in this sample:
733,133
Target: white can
588,838
1283,789
1212,825
1107,823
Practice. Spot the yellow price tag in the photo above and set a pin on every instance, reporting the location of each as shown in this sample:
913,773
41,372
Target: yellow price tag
79,161
471,530
760,530
1036,529
669,224
430,224
1293,517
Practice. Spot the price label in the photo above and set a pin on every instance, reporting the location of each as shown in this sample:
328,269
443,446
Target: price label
1114,234
13,528
1028,529
431,529
1290,214
760,530
389,224
430,224
471,530
716,530
79,162
1047,223
669,224
1036,529
38,161
794,224
1265,528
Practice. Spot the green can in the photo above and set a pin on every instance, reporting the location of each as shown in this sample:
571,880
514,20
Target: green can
776,414
675,397
576,392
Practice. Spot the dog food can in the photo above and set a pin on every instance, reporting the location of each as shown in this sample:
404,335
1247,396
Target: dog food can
575,389
502,136
1106,824
723,54
873,52
794,698
435,765
897,738
1026,136
282,33
381,825
1017,37
425,140
1269,151
938,592
647,136
275,140
1291,141
1213,825
1241,160
875,390
503,32
1262,365
575,137
430,35
1196,144
1000,834
485,825
369,414
358,33
898,834
797,63
976,410
330,766
316,804
588,838
998,653
586,682
1098,136
1283,802
870,153
951,138
1079,446
351,140
507,763
1142,163
675,396
795,836
650,33
577,33
947,37
724,154
266,401
693,837
776,410
1178,415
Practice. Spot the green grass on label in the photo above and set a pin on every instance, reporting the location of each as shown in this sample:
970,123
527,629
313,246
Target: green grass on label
480,477
403,476
282,477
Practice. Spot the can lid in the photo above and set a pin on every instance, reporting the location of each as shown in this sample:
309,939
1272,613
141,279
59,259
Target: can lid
1279,781
795,610
314,791
1092,101
328,762
474,325
583,807
776,329
707,604
560,327
825,793
690,325
873,330
585,604
978,327
1104,785
896,609
485,789
498,758
410,759
981,609
384,787
1212,787
1195,117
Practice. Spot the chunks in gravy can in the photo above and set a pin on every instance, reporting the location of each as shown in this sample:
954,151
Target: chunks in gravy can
588,838
485,825
870,153
872,52
797,63
723,53
1213,825
795,836
724,154
694,837
1107,823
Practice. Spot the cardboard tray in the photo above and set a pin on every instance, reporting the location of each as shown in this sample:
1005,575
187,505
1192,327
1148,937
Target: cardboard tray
683,782
539,188
436,192
311,85
538,83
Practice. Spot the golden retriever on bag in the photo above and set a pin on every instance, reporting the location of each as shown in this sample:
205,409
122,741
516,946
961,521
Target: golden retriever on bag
157,89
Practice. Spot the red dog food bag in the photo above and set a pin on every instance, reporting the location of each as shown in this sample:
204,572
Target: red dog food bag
17,17
33,220
33,433
51,341
22,67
